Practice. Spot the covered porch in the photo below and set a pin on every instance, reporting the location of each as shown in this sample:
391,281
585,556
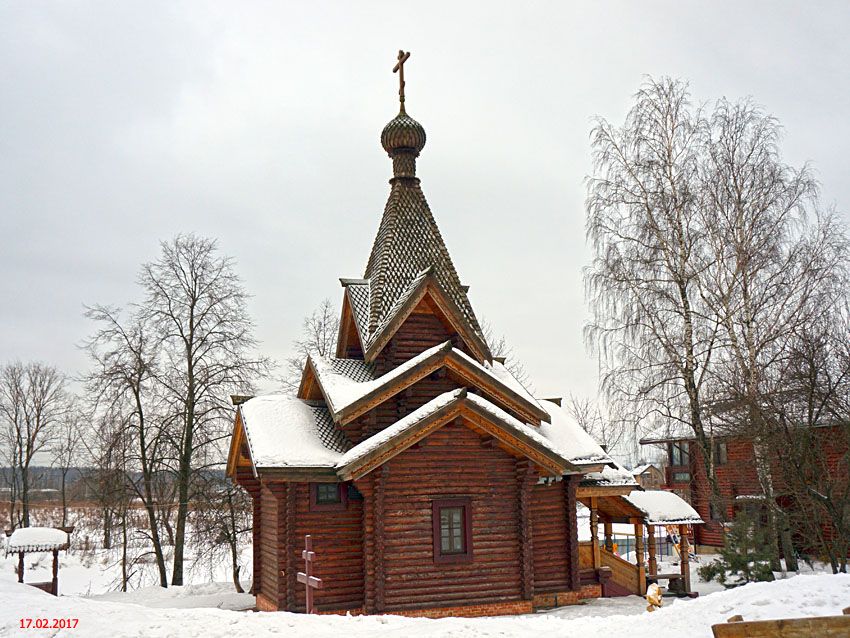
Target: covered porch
649,514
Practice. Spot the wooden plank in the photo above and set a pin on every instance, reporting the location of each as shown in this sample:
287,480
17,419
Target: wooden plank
825,626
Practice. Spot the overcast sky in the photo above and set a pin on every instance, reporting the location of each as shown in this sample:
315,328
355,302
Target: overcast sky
122,124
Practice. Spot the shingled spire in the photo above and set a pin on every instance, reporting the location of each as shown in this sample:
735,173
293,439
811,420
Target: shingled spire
408,242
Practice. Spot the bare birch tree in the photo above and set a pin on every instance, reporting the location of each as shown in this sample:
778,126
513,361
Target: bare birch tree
774,259
197,305
649,327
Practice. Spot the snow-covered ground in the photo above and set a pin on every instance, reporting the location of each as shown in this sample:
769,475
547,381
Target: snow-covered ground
208,605
166,614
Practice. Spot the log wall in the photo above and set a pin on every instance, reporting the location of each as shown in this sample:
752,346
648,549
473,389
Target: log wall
338,543
549,527
450,462
268,548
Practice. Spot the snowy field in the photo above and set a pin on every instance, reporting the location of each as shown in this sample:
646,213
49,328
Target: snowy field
205,611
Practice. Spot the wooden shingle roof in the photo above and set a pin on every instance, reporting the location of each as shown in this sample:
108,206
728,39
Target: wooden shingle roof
408,246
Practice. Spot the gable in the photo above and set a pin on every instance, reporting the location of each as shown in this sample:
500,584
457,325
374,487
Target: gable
347,398
239,454
494,425
349,343
427,297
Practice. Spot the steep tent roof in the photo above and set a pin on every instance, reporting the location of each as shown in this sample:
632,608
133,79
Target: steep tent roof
408,249
407,244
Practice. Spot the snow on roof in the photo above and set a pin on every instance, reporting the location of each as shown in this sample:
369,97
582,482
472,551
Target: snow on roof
667,432
435,404
373,442
287,432
664,508
36,539
501,374
530,431
613,476
640,469
344,384
341,390
569,438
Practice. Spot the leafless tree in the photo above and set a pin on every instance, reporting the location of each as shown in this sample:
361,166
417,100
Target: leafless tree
320,331
196,304
222,519
774,260
711,258
33,401
649,326
66,450
809,435
499,347
122,386
607,430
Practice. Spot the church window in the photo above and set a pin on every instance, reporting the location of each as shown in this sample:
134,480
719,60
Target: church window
452,530
328,496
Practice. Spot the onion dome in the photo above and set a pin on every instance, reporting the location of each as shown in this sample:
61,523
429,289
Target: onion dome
403,134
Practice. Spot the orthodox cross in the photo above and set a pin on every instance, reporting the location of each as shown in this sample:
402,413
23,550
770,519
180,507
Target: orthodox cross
306,577
399,68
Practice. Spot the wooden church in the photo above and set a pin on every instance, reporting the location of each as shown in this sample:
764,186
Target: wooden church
430,480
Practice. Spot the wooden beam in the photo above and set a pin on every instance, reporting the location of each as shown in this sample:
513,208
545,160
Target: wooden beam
380,569
570,485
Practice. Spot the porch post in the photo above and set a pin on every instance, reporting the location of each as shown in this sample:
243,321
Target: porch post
684,557
653,563
609,534
594,531
20,567
638,523
54,586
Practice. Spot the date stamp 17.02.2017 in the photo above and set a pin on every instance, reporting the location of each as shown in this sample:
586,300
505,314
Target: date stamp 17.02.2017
49,623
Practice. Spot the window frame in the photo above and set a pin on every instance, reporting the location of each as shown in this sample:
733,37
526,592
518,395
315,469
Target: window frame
341,504
721,459
436,506
684,454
